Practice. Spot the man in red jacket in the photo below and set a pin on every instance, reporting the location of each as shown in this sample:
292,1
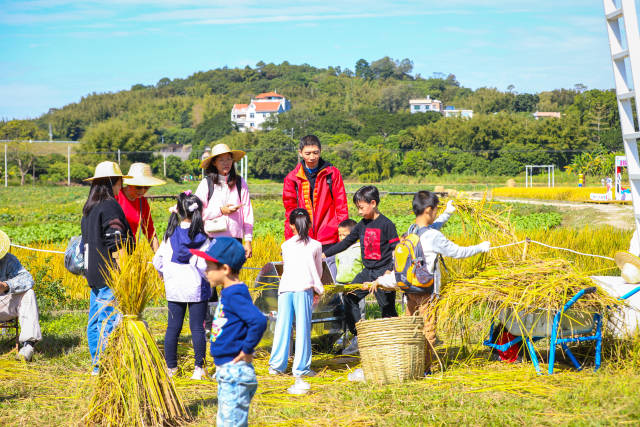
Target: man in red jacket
316,185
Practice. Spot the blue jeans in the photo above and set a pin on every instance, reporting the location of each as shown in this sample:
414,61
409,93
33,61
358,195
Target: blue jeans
197,313
237,383
290,304
102,319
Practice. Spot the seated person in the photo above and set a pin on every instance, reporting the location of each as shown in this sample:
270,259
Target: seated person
17,299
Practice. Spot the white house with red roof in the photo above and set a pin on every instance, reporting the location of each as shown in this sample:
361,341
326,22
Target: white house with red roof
250,117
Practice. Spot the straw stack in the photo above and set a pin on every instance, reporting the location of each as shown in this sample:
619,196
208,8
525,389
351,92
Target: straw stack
133,387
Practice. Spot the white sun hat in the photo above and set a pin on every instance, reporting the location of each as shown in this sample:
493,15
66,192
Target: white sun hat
629,265
106,170
142,177
221,149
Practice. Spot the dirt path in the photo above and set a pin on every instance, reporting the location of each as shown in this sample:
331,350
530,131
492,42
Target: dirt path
620,216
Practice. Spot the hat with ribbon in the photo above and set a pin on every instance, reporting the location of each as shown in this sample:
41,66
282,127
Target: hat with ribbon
106,170
221,149
141,176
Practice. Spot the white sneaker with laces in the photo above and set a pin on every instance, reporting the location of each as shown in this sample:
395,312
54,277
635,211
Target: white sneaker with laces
199,374
274,372
26,352
172,371
300,386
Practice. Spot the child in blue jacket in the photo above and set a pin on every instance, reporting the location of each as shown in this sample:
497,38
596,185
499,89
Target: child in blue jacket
237,328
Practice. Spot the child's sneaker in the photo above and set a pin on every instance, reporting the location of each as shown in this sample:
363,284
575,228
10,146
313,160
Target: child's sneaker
199,374
352,348
356,376
300,386
26,352
172,372
274,372
95,371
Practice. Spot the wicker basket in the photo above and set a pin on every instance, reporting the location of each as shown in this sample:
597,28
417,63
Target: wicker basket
392,349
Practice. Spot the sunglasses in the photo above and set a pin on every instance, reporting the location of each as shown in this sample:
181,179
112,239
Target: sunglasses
140,187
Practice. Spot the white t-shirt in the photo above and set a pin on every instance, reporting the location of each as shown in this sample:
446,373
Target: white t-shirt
302,266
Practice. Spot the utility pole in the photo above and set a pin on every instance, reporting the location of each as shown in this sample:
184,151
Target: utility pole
68,165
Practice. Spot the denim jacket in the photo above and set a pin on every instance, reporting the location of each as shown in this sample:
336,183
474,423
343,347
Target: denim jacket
15,275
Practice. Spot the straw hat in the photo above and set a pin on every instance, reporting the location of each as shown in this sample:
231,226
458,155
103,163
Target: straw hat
141,173
221,149
5,243
107,169
629,265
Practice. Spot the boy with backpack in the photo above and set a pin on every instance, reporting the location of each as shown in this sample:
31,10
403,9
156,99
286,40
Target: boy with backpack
378,237
416,270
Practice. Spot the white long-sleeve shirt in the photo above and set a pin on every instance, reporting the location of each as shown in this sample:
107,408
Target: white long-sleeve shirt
302,266
433,243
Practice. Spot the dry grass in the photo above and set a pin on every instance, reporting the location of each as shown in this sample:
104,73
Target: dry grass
573,194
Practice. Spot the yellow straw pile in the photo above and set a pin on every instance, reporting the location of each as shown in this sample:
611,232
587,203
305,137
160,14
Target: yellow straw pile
133,388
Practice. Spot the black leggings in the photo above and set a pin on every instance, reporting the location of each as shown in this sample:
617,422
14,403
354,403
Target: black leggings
177,310
386,299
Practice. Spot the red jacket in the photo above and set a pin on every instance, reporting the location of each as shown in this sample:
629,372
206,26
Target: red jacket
329,208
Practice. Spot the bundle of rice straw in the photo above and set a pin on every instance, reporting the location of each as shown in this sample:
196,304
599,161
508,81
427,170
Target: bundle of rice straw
133,388
512,294
503,284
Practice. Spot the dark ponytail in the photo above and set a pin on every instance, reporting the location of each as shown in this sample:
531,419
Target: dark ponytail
300,219
189,206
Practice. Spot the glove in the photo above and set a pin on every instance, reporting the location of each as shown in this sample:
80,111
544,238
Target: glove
450,207
485,246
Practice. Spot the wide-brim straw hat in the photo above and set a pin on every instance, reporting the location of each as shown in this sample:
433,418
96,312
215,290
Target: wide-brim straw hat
141,176
629,265
5,244
221,149
106,170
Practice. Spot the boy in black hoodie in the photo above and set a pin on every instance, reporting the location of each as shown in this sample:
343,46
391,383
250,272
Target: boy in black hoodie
378,237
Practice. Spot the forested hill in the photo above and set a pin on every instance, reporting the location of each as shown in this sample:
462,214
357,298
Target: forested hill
365,109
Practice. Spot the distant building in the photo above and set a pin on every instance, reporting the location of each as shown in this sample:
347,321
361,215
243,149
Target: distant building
547,114
428,104
424,105
451,111
250,117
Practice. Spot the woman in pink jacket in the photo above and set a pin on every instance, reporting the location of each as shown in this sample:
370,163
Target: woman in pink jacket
225,197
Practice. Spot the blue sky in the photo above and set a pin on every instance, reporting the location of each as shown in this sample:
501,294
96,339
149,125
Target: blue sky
55,51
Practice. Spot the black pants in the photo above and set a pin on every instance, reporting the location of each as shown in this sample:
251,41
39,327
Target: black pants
177,310
386,299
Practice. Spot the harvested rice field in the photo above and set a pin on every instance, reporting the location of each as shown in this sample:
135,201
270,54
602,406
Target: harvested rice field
56,387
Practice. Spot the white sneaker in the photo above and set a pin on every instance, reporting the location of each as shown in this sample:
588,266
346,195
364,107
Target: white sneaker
352,348
274,372
300,386
26,352
172,371
310,373
199,374
356,376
